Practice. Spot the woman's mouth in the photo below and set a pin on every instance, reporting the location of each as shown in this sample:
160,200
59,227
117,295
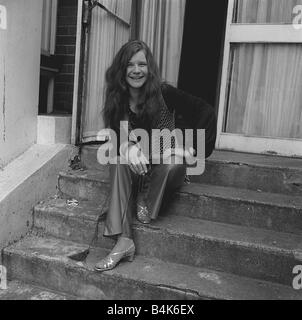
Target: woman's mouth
137,78
136,81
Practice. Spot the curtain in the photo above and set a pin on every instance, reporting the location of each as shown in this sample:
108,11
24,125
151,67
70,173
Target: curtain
106,38
161,27
265,96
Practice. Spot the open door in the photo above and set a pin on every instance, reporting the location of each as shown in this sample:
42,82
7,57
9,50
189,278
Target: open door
260,108
103,27
107,28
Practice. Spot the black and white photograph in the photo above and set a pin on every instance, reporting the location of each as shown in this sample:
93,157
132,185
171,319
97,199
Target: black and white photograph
150,153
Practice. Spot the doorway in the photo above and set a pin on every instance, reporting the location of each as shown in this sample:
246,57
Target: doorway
202,49
203,54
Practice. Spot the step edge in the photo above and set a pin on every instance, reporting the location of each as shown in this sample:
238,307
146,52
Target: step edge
12,251
172,232
270,202
214,158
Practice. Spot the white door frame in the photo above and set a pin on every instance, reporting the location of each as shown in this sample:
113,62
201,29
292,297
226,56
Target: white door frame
253,33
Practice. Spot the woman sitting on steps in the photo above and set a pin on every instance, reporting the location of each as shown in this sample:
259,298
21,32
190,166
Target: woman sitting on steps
135,94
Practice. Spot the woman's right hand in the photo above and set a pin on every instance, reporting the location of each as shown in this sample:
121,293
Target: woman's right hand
137,160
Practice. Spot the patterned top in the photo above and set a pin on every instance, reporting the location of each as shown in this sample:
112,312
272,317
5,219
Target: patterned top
161,141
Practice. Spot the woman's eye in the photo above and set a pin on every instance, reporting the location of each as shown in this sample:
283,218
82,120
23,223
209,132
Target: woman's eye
141,65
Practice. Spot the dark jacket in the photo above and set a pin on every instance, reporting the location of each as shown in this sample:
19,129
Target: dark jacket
192,113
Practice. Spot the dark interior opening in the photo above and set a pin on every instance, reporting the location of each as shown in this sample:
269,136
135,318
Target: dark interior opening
49,68
43,92
202,49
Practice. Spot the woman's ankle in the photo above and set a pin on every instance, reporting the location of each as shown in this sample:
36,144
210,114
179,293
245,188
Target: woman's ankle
124,238
123,243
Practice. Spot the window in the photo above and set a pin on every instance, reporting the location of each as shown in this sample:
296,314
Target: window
261,96
49,64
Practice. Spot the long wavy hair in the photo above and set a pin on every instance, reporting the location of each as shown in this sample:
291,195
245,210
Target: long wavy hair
117,91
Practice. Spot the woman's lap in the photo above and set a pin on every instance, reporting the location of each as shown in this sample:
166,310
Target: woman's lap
159,183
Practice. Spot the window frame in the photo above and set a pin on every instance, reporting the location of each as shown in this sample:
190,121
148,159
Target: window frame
48,45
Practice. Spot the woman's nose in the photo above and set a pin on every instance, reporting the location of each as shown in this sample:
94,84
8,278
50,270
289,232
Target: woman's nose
136,68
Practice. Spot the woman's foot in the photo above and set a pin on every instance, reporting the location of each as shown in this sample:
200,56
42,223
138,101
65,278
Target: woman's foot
142,212
124,249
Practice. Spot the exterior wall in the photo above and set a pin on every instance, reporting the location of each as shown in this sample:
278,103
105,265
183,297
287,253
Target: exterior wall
65,49
27,180
19,77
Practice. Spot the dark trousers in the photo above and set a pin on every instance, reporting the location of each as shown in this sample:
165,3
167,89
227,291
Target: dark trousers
156,187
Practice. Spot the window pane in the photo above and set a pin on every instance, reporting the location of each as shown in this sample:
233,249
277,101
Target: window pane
265,11
265,91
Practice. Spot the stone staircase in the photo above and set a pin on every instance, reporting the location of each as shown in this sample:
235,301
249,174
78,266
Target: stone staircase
233,233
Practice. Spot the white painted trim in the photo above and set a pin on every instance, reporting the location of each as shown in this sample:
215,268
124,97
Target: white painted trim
46,22
224,73
49,27
76,72
245,33
53,129
53,32
282,147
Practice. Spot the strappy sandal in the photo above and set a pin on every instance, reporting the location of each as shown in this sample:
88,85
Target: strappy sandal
113,259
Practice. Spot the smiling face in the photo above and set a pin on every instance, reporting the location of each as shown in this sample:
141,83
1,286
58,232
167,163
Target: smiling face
137,71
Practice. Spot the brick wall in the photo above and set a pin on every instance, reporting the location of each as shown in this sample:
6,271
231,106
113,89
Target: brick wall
65,49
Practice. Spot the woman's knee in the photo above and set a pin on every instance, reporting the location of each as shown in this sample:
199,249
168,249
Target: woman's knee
174,163
119,170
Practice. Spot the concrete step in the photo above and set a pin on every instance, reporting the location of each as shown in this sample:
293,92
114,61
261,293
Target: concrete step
84,184
216,203
89,157
254,172
268,173
46,262
18,290
246,251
